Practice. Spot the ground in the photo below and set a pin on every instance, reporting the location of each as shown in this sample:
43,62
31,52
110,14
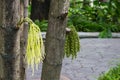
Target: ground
95,57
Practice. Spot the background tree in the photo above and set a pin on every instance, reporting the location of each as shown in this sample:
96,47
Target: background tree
55,39
39,9
11,54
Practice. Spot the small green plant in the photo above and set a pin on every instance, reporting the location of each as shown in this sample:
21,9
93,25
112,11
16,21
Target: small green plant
106,33
112,74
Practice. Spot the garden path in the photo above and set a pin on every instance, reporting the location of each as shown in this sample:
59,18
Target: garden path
95,57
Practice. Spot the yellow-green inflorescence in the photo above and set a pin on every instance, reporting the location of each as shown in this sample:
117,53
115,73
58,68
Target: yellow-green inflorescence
35,48
72,43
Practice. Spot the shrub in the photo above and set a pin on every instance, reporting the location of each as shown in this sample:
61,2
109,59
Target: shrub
112,74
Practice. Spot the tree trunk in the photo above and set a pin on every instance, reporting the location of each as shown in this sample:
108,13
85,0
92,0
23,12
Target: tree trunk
40,9
10,57
23,41
55,39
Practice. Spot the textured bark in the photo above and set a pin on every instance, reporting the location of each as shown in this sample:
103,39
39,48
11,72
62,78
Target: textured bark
55,39
23,42
40,9
1,52
10,13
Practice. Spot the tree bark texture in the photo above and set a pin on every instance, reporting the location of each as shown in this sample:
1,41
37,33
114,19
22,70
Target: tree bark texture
23,41
40,9
10,49
55,39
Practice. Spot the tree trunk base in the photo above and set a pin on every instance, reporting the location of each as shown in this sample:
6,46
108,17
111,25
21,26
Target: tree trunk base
64,78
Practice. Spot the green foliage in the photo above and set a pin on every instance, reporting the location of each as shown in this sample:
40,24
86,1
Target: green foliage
96,18
72,43
107,31
89,18
81,24
105,34
29,10
112,74
42,24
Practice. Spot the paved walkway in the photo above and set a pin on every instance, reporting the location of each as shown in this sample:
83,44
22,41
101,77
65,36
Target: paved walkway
95,57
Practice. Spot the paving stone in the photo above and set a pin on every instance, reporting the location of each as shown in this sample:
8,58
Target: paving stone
95,57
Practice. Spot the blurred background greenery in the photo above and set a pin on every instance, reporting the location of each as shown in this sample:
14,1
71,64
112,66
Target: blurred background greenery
91,16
